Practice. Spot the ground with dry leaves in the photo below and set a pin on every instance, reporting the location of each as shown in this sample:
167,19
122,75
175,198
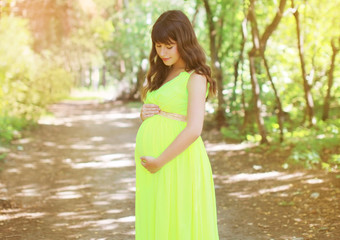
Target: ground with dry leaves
72,177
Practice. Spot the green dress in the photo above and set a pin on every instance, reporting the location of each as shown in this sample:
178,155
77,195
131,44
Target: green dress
178,201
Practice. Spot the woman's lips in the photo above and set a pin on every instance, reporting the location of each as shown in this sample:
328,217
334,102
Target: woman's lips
165,59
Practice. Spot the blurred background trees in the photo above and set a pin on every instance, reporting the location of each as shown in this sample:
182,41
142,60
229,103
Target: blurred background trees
276,63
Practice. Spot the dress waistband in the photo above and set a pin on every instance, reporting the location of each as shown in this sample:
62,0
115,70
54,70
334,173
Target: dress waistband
175,116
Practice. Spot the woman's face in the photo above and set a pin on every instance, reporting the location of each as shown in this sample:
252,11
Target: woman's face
169,54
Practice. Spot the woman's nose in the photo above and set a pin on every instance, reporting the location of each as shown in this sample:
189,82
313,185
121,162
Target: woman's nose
163,52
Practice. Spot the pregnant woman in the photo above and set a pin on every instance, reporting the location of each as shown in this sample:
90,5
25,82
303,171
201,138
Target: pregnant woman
175,196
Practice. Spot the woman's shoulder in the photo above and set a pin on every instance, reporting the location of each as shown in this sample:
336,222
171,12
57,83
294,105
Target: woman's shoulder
197,78
197,83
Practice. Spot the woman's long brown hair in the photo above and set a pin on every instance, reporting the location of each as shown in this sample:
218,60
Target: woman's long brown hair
175,26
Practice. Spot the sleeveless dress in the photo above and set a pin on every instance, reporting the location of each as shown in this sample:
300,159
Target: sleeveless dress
178,201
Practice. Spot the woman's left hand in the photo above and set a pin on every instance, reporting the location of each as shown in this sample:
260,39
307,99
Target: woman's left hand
151,164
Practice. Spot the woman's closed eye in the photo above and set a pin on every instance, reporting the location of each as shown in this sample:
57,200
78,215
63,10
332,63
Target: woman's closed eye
168,46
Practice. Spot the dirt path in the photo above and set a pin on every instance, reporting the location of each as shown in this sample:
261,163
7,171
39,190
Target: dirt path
73,178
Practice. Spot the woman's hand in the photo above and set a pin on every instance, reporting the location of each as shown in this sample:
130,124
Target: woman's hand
151,164
148,110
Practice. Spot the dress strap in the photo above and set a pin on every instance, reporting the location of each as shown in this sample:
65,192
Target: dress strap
192,72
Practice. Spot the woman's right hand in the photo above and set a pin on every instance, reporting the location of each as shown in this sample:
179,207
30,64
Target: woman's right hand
148,110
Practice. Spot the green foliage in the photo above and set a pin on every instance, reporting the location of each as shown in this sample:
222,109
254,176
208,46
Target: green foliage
232,133
309,158
10,127
28,82
335,159
286,203
129,49
52,84
3,156
73,39
310,145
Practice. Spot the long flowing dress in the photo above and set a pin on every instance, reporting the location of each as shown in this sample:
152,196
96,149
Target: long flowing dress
178,201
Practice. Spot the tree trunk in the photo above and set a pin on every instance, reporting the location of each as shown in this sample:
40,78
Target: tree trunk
194,17
335,50
243,100
135,93
280,114
104,76
89,77
273,25
216,67
256,96
259,46
253,53
306,86
264,39
237,63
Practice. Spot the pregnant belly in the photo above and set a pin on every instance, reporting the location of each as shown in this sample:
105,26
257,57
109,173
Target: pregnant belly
156,134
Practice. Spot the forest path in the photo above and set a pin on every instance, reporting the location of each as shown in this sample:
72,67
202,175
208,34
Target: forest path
73,177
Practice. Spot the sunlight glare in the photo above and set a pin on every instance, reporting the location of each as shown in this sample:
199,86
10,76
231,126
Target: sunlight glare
82,147
314,181
13,170
110,157
101,203
22,215
275,189
127,219
74,187
228,147
102,165
28,193
114,211
290,176
67,195
97,139
253,176
47,161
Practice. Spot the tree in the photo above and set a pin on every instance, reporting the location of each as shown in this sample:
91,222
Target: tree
335,51
306,85
259,46
216,65
239,60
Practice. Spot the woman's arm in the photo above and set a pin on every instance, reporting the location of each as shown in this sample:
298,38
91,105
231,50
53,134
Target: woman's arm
195,118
